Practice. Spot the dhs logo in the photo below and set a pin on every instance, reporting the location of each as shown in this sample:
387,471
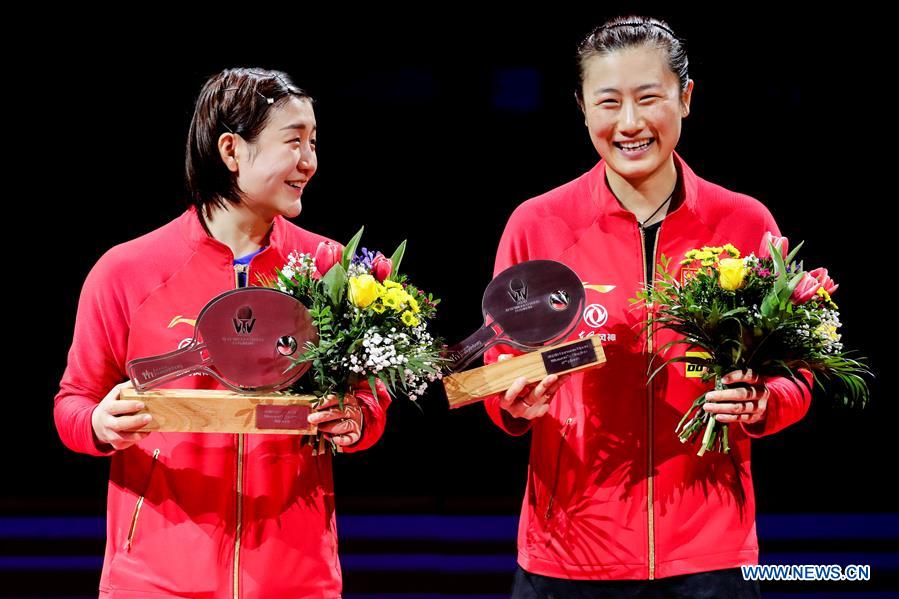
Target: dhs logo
244,322
695,371
595,315
518,291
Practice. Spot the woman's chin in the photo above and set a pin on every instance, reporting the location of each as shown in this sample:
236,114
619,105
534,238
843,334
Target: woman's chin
293,210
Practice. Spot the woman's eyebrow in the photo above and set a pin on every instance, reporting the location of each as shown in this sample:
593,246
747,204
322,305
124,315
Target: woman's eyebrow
297,126
615,90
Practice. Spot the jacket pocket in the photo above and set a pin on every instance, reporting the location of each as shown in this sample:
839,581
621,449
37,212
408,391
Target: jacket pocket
140,502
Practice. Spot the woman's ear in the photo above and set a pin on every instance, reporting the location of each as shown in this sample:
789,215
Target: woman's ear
686,96
227,146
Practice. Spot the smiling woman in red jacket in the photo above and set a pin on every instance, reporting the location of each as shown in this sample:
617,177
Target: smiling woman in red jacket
615,505
210,515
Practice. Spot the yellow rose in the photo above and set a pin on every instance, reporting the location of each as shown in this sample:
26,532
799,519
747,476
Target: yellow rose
409,319
732,272
363,290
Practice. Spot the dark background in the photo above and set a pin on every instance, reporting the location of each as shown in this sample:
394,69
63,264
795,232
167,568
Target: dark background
432,128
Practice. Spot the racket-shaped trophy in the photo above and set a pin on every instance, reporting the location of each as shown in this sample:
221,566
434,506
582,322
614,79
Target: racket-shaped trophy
249,339
533,306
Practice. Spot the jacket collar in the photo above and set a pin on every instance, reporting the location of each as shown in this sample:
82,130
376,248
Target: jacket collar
196,235
608,204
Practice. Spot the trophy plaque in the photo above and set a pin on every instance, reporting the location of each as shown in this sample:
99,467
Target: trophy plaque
533,306
248,339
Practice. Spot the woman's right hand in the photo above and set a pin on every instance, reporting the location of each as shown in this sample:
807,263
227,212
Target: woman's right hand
114,420
529,402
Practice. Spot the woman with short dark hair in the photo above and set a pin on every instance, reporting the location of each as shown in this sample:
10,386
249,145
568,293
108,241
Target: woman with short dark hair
210,515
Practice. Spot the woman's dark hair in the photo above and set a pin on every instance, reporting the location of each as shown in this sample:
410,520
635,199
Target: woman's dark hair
233,101
628,32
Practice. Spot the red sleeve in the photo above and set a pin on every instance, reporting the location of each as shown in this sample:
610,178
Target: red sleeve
512,250
788,403
96,361
770,225
374,415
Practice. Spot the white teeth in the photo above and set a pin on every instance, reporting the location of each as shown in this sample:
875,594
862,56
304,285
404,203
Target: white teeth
633,145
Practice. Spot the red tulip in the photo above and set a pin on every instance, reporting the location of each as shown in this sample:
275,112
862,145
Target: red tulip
780,243
381,267
327,255
806,289
826,282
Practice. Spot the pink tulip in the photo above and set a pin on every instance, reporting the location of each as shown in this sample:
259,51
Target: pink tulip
826,282
327,255
780,243
806,289
381,267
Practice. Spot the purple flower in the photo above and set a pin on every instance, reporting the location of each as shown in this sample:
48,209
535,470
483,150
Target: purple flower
364,257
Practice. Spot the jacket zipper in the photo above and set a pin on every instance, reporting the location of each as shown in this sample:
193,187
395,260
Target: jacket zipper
245,269
140,502
552,495
239,528
649,389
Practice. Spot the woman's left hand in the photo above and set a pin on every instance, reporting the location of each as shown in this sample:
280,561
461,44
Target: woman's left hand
741,404
344,427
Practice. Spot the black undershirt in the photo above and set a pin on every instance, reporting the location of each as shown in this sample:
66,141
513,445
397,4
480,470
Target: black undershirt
650,232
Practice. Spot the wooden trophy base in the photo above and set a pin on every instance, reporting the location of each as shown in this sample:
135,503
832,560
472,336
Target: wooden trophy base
217,411
474,385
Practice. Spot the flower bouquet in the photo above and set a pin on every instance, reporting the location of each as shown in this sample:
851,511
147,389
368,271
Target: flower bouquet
765,313
372,323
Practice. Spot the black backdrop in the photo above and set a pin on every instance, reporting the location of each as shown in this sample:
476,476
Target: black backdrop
433,128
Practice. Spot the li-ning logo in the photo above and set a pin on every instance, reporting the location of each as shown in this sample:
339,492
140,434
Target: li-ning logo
244,322
518,291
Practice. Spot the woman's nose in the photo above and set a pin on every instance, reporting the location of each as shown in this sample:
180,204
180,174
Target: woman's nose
631,119
307,161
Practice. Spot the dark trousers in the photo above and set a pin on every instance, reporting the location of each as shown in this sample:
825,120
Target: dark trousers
717,584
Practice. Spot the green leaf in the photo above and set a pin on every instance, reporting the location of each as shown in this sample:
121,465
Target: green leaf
794,252
335,284
350,250
392,374
780,268
396,259
391,390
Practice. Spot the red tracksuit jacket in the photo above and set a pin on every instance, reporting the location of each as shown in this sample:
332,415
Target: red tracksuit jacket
611,492
223,515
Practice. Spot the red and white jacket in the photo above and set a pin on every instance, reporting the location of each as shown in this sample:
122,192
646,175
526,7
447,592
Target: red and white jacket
222,515
611,491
